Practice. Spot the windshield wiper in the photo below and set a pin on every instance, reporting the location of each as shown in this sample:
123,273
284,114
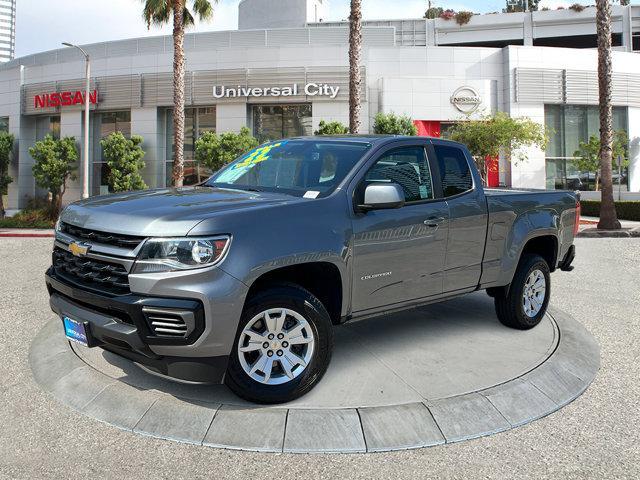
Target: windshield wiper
233,187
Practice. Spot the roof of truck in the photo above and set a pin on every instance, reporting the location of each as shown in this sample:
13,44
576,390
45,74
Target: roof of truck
373,139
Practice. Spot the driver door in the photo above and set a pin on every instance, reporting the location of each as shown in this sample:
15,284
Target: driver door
399,254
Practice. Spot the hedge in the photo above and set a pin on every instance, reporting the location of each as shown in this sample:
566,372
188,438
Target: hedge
626,210
29,218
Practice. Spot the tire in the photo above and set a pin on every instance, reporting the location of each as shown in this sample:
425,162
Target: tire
305,317
512,308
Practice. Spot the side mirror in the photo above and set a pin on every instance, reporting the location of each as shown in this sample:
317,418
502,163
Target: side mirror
382,196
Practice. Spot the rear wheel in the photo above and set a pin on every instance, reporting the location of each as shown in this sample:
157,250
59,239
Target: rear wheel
283,346
528,295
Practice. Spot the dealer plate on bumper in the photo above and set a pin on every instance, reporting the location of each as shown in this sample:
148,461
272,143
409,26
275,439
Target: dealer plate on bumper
76,331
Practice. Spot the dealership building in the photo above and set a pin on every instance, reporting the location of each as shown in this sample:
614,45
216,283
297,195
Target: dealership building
285,69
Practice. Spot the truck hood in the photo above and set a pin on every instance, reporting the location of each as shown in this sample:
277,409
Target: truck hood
164,212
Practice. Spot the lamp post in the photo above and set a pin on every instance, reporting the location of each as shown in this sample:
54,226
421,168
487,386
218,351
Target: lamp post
85,162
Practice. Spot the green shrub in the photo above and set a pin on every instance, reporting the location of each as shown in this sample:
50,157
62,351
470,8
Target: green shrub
36,218
55,165
124,158
392,124
331,128
463,17
433,12
215,151
627,210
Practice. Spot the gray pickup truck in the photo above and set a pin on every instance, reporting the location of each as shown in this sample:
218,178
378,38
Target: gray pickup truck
241,278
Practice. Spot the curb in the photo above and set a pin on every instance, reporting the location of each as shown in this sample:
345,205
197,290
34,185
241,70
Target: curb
622,233
27,234
554,383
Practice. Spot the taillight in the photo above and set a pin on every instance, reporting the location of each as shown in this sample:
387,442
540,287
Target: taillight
576,227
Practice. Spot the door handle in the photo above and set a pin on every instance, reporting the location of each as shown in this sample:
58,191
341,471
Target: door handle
434,222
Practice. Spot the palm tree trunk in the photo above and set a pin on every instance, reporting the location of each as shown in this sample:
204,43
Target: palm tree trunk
355,79
178,92
608,216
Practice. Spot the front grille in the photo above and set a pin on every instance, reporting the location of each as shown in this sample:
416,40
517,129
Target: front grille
115,239
90,273
166,322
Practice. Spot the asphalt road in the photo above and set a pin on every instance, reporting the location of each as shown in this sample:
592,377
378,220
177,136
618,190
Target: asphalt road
594,437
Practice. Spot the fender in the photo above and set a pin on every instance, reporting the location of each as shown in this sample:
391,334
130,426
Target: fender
527,226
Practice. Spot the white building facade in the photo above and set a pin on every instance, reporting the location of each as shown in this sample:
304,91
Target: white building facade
7,30
282,80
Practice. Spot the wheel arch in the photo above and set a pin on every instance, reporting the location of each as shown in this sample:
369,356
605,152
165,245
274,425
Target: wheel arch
545,245
322,279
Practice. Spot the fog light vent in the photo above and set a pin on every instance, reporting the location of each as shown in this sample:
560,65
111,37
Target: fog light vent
165,322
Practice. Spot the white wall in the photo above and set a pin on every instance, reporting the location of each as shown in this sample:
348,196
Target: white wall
531,173
10,83
231,117
144,122
331,112
419,81
634,151
257,14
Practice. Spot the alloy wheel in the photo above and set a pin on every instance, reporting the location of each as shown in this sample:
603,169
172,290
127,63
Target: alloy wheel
534,292
276,346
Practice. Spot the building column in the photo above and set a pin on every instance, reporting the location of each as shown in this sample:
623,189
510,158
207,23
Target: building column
71,126
23,183
531,171
627,38
634,149
145,123
231,117
528,30
330,112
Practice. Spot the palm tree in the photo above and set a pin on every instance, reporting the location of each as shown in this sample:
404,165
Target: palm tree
608,216
160,12
355,79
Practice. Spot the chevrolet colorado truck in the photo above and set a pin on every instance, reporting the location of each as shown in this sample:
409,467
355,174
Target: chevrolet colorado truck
241,279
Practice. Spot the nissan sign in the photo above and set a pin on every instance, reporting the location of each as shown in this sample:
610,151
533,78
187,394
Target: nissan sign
63,99
466,99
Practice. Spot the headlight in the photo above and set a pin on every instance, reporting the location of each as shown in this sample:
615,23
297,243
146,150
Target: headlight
171,254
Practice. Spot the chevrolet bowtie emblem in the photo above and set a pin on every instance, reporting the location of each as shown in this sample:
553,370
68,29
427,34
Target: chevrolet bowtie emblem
79,249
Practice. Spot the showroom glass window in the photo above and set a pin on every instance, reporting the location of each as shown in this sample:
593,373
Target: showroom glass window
47,126
4,124
196,122
570,125
274,122
455,174
104,124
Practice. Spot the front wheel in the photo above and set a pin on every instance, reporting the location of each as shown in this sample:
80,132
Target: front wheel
283,346
528,295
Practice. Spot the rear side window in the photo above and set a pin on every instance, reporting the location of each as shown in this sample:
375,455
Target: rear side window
408,168
454,170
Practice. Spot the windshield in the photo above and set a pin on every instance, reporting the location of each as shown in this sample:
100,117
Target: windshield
303,168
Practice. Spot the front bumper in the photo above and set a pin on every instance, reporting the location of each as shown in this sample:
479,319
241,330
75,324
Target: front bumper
121,325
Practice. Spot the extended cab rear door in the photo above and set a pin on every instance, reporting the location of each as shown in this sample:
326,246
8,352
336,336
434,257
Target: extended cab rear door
461,188
398,254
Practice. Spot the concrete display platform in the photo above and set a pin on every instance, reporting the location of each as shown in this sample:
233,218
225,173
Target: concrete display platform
438,374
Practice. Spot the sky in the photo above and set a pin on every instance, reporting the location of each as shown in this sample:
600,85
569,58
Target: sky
89,21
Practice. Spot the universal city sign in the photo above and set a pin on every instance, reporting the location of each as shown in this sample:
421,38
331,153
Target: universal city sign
64,99
466,99
310,90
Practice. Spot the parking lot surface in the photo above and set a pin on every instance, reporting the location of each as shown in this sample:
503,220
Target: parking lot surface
594,437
